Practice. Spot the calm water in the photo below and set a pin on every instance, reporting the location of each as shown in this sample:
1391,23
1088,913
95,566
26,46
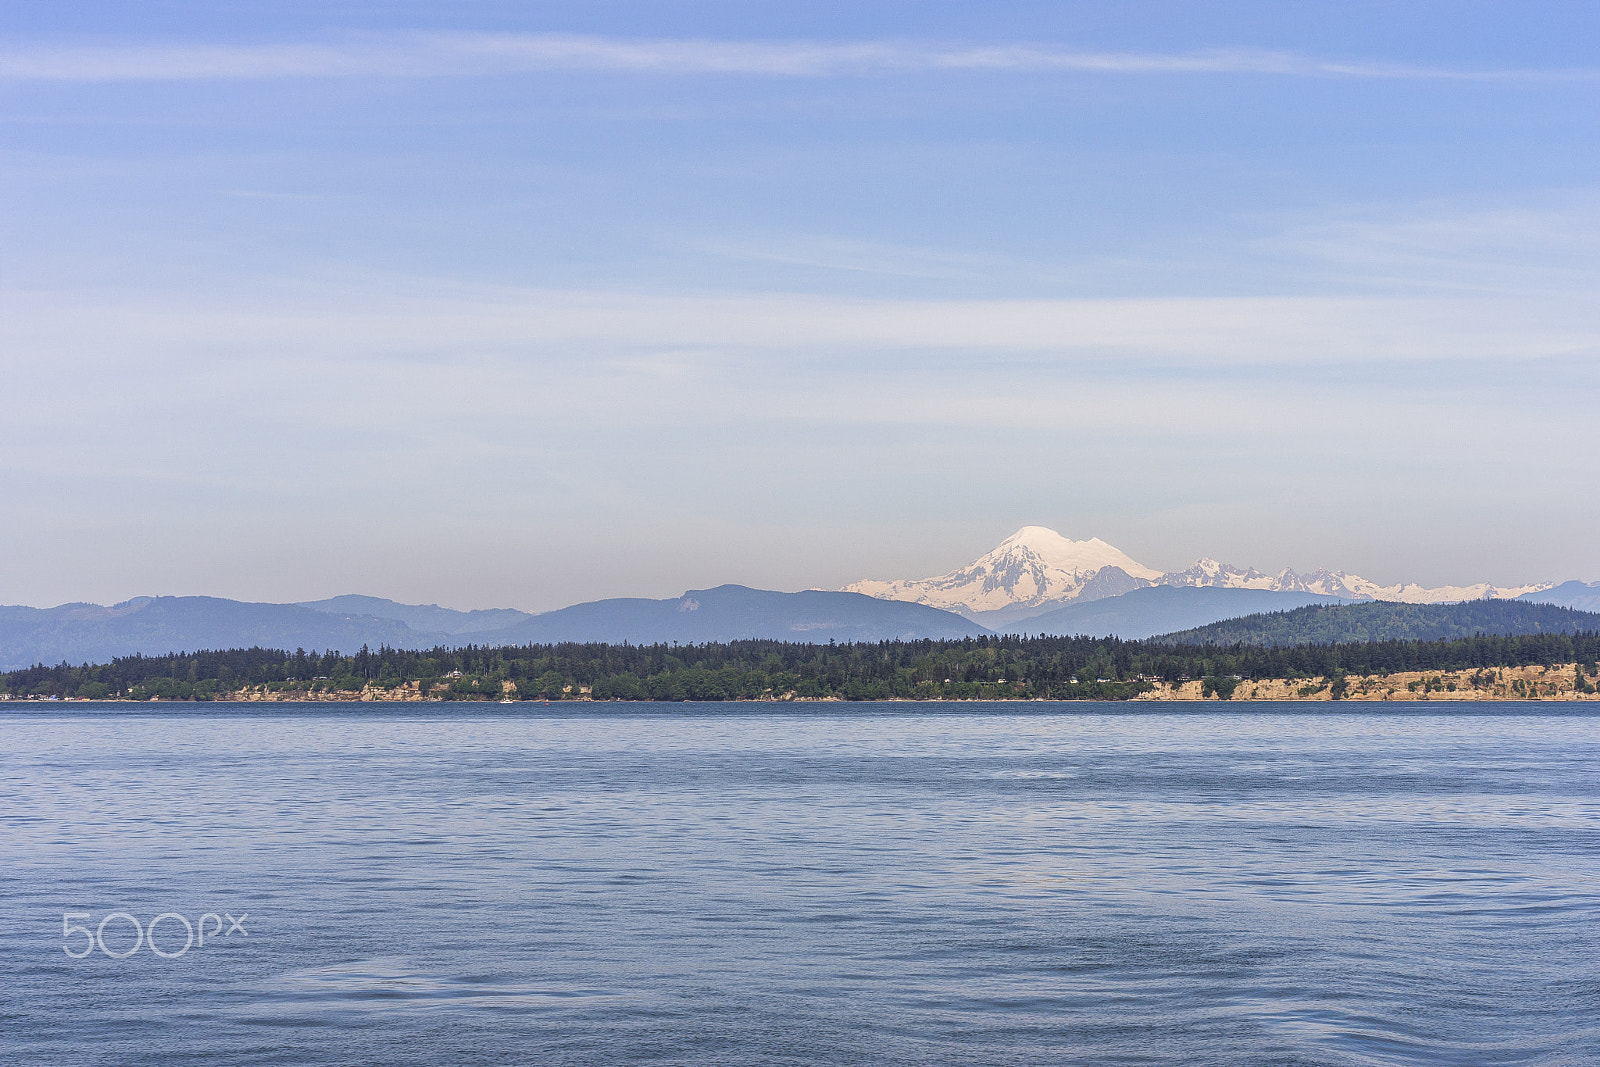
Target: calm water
861,885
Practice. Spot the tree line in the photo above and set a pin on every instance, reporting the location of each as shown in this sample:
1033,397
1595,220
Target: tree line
992,668
1388,621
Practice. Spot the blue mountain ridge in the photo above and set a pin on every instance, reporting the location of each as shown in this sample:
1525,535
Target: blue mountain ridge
734,612
1161,609
423,618
1580,596
159,625
79,633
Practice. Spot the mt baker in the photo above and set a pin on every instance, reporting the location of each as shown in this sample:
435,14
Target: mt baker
1037,570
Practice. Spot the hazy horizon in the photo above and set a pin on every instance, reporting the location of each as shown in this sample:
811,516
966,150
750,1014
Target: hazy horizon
511,307
690,589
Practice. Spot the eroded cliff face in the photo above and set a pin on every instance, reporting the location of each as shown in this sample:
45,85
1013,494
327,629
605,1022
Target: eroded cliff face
1558,682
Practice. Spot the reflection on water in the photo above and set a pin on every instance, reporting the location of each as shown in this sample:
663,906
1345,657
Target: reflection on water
705,884
392,982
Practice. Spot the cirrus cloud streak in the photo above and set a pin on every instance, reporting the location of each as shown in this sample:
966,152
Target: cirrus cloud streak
468,54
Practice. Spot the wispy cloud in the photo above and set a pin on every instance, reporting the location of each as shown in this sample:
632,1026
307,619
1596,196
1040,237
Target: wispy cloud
477,422
443,55
1549,245
1212,334
855,256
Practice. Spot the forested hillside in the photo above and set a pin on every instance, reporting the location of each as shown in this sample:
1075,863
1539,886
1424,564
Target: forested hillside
1383,621
983,667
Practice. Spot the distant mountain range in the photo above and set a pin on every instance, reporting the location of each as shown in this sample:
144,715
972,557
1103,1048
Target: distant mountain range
1037,570
79,633
1034,582
1323,624
1159,609
1583,596
422,618
733,612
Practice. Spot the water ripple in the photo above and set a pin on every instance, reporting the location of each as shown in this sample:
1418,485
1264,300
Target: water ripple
704,885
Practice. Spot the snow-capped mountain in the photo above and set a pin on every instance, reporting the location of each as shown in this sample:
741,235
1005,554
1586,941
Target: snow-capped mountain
1208,572
1033,566
1359,588
1037,566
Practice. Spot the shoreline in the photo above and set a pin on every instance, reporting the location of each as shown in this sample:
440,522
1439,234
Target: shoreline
1553,684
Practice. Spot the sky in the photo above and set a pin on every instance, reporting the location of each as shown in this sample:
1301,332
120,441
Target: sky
524,304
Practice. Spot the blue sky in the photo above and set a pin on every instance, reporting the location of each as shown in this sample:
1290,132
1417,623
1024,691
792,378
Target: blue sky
525,304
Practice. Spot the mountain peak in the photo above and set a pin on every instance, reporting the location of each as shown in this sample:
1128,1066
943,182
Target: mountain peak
1059,551
1043,536
1035,565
